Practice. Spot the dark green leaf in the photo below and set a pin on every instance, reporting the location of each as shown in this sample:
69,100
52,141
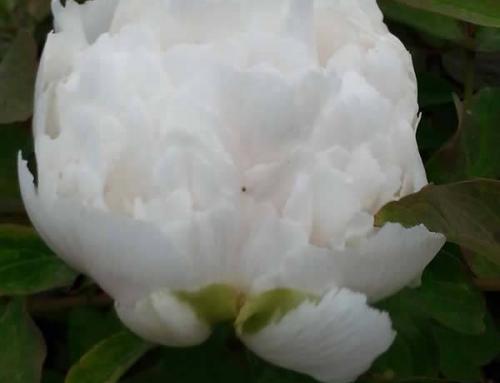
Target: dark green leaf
88,326
446,300
440,26
109,359
221,359
481,12
424,21
448,296
17,78
467,213
462,356
473,151
27,266
487,39
397,362
483,267
23,350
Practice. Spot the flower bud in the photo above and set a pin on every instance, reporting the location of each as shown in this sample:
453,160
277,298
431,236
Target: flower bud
214,160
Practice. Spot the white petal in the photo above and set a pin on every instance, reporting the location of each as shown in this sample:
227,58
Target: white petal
88,20
267,242
261,109
162,318
307,268
353,115
388,67
300,21
128,258
383,263
334,341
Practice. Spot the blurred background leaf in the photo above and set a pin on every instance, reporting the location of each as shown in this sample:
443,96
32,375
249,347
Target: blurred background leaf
480,12
108,360
17,79
473,150
27,266
23,350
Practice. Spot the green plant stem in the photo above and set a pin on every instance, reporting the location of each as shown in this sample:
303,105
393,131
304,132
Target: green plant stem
469,80
44,304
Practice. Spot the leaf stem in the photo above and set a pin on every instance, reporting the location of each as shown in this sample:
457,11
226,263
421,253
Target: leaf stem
469,79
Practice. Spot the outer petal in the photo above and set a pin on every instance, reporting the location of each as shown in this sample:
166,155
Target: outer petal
334,341
387,261
377,265
90,19
129,258
162,318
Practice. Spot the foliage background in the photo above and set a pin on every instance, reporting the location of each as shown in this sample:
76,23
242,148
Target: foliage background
56,325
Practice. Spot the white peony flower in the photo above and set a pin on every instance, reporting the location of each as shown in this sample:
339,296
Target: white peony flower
210,160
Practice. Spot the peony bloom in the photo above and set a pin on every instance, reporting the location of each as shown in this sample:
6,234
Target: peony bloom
214,160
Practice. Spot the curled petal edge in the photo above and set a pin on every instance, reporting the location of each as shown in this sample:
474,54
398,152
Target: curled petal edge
334,339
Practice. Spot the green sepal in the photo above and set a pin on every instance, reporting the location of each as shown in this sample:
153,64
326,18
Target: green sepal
213,304
271,306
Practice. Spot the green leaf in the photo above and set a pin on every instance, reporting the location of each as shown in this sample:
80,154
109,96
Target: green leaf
462,356
467,213
23,349
397,362
259,311
213,304
448,295
480,12
446,300
437,25
7,6
17,78
473,151
109,359
27,266
487,39
483,267
221,359
87,326
428,22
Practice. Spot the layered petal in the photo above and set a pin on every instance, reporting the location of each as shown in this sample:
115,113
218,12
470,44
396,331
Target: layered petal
87,21
115,250
388,260
377,265
162,318
334,340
